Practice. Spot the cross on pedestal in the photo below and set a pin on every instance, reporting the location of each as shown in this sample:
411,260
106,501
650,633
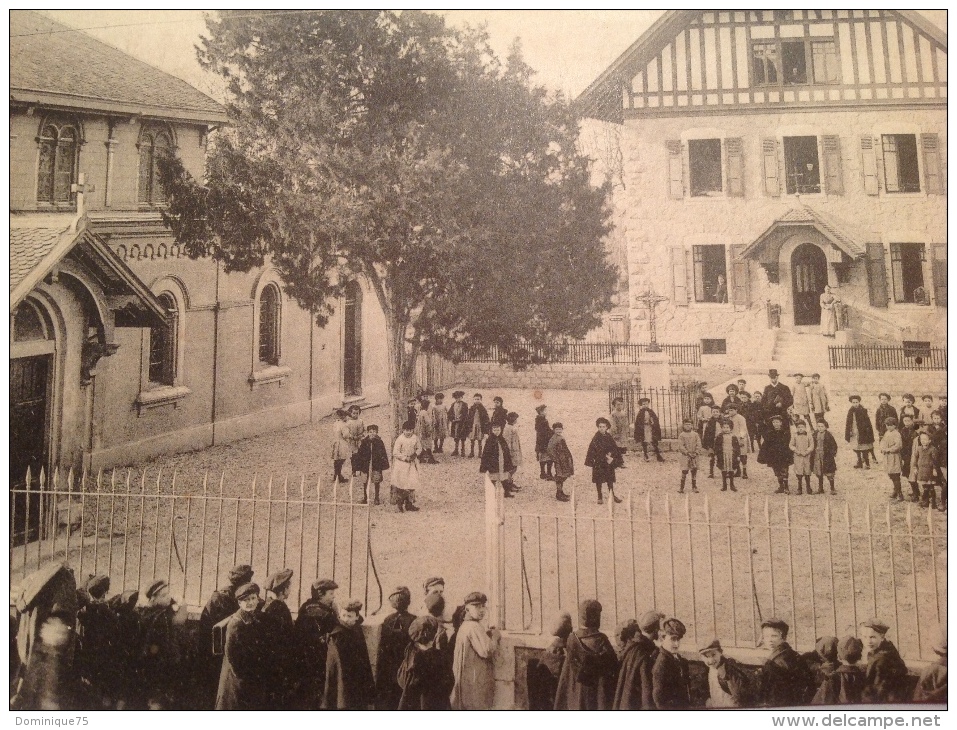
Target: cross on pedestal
651,300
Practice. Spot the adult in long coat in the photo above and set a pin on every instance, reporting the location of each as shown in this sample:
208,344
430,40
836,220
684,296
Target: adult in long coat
777,396
885,679
393,640
349,681
246,656
590,671
278,624
633,691
474,657
315,621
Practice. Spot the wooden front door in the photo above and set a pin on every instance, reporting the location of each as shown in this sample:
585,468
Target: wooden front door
29,439
352,341
809,277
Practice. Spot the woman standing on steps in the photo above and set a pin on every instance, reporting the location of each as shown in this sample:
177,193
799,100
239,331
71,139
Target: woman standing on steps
828,312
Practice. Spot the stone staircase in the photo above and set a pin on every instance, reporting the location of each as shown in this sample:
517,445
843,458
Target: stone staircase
804,352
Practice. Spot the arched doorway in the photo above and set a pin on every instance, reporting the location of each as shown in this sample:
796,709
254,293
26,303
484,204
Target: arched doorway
352,340
808,279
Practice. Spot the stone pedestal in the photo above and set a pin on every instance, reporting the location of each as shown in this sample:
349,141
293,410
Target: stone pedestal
655,368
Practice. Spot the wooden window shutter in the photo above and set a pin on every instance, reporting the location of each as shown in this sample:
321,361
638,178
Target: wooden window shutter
772,178
734,153
939,257
869,165
833,175
740,277
676,189
679,276
933,180
876,275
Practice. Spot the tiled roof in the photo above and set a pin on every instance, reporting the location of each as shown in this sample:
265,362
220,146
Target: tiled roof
49,57
843,240
28,247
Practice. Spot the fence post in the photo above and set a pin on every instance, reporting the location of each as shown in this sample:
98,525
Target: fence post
494,533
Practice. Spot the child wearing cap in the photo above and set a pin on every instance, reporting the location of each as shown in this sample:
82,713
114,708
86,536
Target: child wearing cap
727,450
938,438
160,655
932,685
619,424
441,423
802,444
729,683
925,463
670,683
543,434
588,677
750,414
499,411
647,428
474,658
371,460
458,415
689,447
817,394
316,619
558,453
478,424
405,472
510,434
858,432
843,685
785,679
341,445
634,688
890,446
776,453
349,681
885,678
603,457
884,411
824,456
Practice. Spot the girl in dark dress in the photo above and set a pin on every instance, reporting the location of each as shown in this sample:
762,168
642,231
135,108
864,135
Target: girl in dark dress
603,457
496,459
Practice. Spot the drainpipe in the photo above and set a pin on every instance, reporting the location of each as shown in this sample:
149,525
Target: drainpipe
212,416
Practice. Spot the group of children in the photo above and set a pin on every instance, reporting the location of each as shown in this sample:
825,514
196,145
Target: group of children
582,670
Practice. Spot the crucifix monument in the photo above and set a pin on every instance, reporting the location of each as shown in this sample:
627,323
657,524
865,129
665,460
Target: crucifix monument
654,365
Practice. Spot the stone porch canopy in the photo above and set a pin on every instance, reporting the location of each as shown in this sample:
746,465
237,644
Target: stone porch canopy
766,248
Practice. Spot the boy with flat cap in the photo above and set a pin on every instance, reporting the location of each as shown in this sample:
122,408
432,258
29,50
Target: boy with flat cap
603,457
95,650
424,678
221,605
393,640
670,682
689,448
159,666
458,416
785,679
315,621
885,679
372,459
278,624
473,661
776,453
590,672
729,684
479,425
633,690
349,681
558,453
243,680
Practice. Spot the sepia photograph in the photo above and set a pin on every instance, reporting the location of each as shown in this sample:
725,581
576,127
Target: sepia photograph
478,360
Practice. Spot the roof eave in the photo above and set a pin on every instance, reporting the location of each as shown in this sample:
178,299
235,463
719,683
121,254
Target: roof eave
925,26
67,239
28,97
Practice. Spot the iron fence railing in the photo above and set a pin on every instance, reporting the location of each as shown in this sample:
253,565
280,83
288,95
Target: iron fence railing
598,353
822,573
136,526
881,357
672,405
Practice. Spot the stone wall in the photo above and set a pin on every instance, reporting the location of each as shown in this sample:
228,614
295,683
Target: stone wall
868,383
556,377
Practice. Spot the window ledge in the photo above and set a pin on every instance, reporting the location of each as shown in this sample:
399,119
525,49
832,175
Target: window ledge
903,196
161,396
712,306
269,374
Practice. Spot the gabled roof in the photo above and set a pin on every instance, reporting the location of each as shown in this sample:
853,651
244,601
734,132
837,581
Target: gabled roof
53,64
803,216
603,97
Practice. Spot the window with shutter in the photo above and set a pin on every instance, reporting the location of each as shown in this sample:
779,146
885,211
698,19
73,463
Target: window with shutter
772,185
833,177
907,272
876,275
939,252
933,181
740,277
679,276
704,167
734,149
710,274
675,176
869,165
900,163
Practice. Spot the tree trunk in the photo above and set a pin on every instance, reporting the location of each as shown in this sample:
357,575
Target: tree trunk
401,373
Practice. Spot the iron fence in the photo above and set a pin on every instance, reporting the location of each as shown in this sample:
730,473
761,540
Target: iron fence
435,373
597,353
672,404
822,573
136,526
879,357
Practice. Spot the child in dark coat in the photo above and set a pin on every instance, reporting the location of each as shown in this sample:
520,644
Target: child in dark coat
543,675
372,460
424,677
496,460
885,679
393,641
349,681
543,433
727,451
590,670
932,685
785,679
560,455
859,433
776,452
603,457
908,438
729,683
647,428
844,685
458,417
884,411
670,685
824,456
479,424
925,462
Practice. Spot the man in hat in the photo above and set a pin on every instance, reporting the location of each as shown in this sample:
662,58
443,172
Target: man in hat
932,685
159,669
785,679
474,658
315,621
633,691
777,396
885,679
590,672
424,676
729,684
349,681
95,661
647,428
221,605
278,625
246,656
393,640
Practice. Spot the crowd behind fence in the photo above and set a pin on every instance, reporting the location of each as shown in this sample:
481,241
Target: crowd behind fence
136,526
880,357
597,353
672,404
823,574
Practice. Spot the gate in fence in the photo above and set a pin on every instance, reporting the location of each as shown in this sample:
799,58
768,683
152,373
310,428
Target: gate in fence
672,404
135,525
821,570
